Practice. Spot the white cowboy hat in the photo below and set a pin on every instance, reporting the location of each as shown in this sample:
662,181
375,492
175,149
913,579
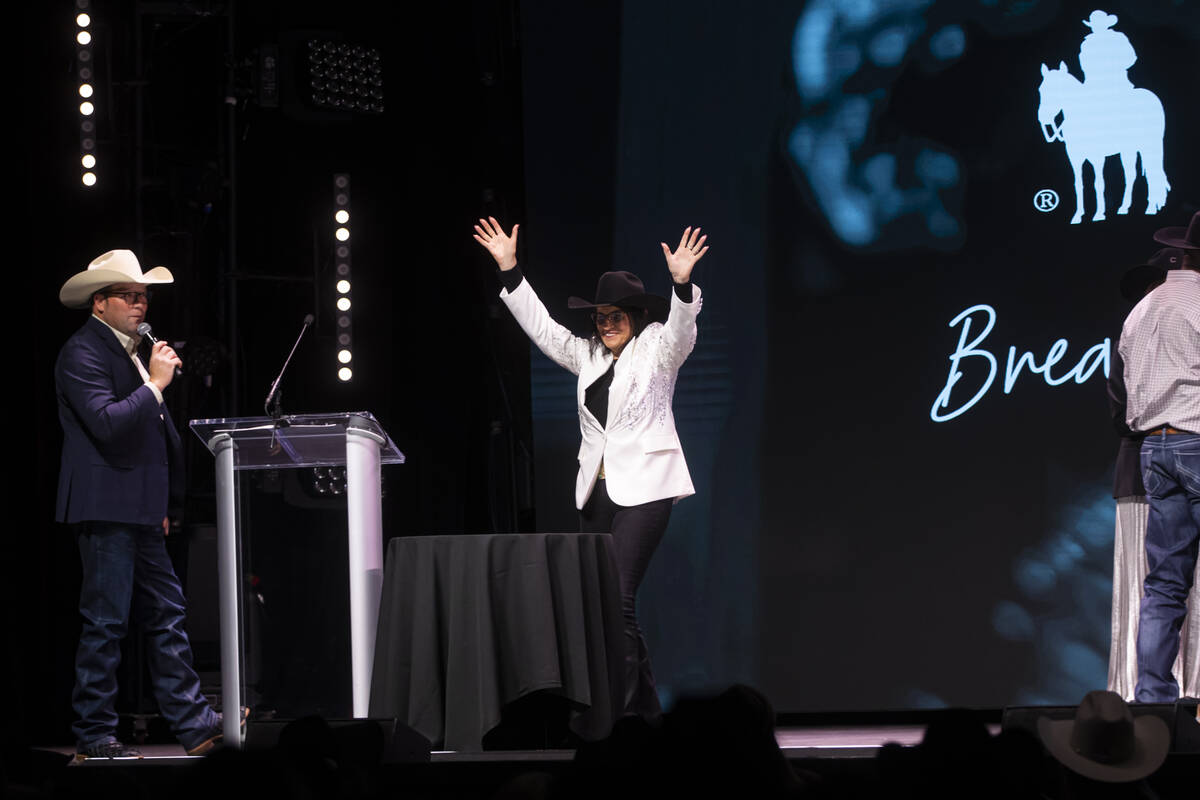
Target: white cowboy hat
115,266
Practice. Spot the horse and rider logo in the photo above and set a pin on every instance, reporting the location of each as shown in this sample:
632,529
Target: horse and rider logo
1105,115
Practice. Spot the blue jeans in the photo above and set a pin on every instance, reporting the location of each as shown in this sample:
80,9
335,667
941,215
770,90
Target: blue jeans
126,570
1171,472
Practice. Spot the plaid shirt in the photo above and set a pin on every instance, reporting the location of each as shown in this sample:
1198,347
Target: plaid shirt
1160,343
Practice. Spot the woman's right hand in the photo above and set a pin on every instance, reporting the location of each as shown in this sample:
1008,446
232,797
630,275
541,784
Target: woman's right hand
503,248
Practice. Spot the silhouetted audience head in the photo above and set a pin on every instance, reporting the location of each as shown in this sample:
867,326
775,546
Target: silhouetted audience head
535,785
722,745
959,757
1106,750
729,738
310,759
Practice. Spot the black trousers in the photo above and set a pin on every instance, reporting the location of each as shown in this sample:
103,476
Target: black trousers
636,532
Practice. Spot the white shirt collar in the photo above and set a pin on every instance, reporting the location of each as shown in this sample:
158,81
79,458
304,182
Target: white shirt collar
128,343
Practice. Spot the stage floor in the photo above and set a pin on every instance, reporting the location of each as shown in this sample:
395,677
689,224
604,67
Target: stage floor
834,741
833,755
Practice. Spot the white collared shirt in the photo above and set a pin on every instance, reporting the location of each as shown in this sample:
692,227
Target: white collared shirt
130,346
1160,343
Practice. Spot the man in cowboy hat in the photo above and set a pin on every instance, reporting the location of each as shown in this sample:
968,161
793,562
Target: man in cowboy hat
121,454
1160,345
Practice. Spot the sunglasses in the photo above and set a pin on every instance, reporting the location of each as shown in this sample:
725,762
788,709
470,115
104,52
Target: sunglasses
614,318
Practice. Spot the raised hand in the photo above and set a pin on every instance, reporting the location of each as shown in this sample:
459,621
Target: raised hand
691,249
503,248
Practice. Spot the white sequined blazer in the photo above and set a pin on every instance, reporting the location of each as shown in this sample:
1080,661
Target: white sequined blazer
638,445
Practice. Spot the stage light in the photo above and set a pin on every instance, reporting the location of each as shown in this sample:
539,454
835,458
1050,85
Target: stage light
345,77
342,260
85,90
324,481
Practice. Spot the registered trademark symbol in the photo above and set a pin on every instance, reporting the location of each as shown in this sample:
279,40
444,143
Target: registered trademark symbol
1045,200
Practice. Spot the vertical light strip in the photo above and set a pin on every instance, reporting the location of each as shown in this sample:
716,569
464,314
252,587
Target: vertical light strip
343,308
85,71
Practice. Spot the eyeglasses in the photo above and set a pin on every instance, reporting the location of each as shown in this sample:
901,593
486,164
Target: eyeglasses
615,318
131,298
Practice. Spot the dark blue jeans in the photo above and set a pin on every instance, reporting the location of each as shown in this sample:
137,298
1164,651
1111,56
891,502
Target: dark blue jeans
1171,471
127,572
636,532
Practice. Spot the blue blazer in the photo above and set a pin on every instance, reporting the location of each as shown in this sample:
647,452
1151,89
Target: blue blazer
121,454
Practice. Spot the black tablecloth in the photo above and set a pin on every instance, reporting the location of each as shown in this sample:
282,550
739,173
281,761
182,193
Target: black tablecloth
468,624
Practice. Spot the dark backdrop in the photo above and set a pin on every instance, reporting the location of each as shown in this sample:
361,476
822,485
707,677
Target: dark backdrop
865,178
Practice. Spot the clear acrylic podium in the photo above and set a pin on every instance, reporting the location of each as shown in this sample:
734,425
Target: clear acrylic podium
351,439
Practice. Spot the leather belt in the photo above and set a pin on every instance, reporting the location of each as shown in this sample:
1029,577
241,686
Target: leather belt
1167,429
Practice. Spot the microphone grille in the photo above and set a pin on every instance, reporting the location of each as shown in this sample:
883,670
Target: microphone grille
143,329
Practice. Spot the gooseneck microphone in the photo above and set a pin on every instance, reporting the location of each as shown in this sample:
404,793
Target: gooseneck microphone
274,393
144,330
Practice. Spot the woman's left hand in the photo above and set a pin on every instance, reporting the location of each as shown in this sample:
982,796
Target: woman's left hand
691,249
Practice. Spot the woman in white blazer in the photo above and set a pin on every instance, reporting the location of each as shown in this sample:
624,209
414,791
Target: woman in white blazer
631,465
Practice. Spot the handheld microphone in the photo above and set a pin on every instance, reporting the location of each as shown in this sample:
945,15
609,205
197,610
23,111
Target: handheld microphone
273,394
144,330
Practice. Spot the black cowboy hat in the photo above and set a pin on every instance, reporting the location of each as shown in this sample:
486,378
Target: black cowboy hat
1184,238
1105,741
624,289
1137,280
